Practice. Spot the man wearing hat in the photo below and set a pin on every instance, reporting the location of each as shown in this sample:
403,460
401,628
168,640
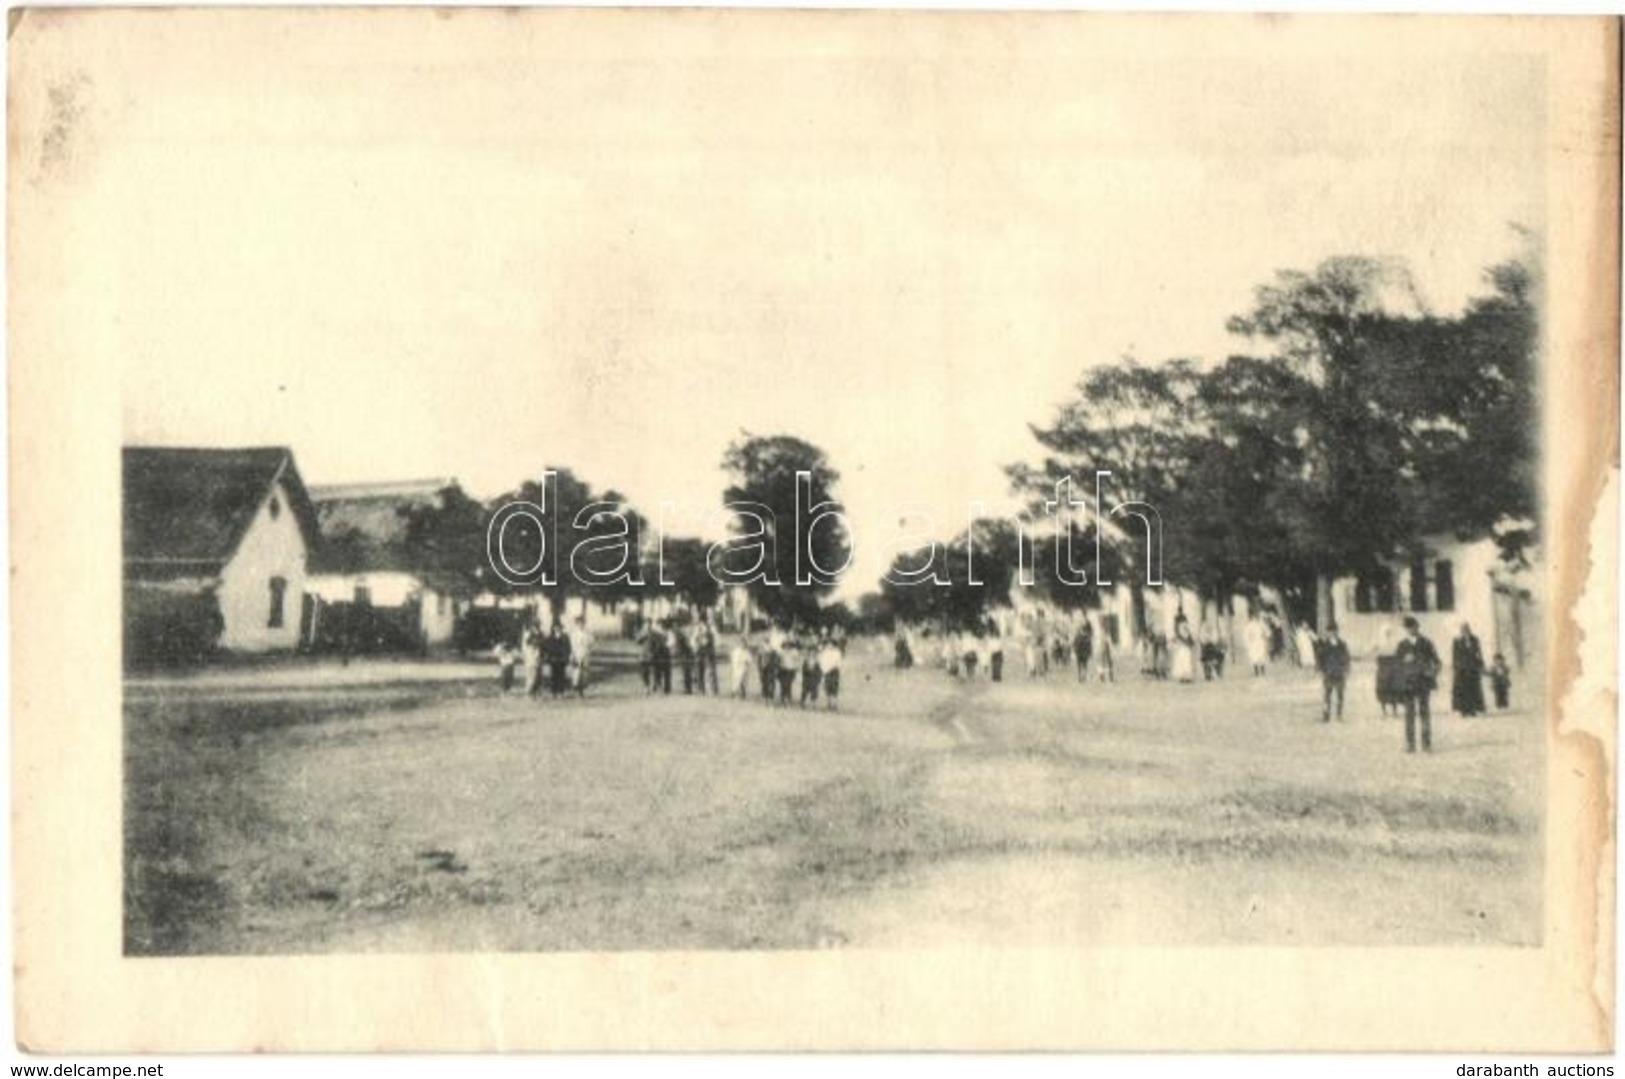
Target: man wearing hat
1332,657
1418,676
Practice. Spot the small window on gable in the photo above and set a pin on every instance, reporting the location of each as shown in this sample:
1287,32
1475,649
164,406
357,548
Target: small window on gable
274,508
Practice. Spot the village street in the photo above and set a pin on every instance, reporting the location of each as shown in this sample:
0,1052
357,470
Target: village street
406,807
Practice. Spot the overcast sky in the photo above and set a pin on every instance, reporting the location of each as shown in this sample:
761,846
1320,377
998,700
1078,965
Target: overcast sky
489,249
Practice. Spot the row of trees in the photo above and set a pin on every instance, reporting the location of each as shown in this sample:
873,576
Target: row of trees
1357,424
1360,424
604,550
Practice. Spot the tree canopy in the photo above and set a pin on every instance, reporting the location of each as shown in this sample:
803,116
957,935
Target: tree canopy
791,543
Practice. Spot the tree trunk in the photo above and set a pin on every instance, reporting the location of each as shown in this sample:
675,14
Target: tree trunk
1325,612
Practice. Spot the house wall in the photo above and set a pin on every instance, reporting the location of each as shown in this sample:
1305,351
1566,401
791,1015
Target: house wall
1474,567
386,588
272,547
439,616
438,612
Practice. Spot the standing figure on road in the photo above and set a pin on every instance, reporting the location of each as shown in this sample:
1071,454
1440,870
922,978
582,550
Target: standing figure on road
682,654
1467,668
1083,648
646,657
1501,680
984,651
903,653
811,675
1103,659
507,658
1029,650
661,638
1332,657
705,655
789,662
1303,645
532,644
829,662
767,664
557,649
1212,652
1418,675
740,664
1183,662
968,644
1256,638
580,651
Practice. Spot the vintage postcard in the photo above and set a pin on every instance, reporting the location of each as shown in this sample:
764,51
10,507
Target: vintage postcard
715,529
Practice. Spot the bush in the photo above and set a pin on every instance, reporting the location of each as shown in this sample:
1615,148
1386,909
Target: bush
165,628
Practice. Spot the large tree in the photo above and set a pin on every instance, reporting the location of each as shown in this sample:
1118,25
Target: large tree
791,541
592,540
1411,424
447,534
1368,424
684,565
1480,469
1346,330
956,585
1136,421
1231,521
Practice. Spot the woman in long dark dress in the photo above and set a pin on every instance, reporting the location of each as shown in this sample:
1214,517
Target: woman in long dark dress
557,650
1467,660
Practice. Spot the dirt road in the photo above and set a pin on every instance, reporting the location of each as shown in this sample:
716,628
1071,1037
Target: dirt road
378,815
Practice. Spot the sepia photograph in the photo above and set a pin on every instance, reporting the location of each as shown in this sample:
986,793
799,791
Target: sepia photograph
823,487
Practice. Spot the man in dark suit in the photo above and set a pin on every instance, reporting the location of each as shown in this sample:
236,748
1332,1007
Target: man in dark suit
1332,657
1419,674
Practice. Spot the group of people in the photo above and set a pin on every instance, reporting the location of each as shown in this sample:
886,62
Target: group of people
666,646
1408,677
789,663
787,659
1062,647
1467,688
978,651
783,660
558,658
1188,654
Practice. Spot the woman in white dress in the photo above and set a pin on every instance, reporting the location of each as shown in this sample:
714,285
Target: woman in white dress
1256,637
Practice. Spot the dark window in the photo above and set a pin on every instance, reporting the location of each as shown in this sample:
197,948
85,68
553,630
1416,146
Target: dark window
1374,591
279,593
1419,585
1444,585
275,508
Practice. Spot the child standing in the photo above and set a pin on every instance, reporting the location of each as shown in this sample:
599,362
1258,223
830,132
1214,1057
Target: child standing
507,660
1500,680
